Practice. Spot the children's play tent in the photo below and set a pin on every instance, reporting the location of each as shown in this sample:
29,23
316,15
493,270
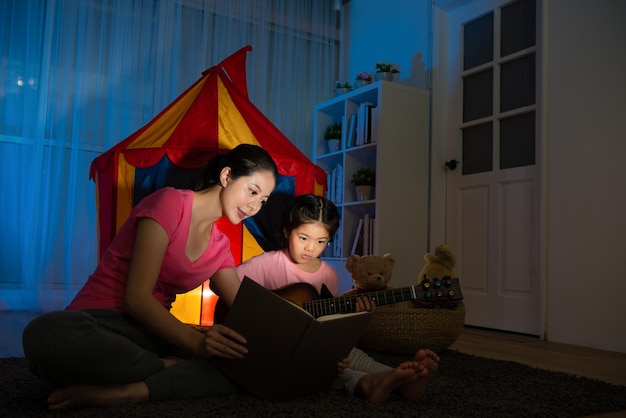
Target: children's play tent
212,116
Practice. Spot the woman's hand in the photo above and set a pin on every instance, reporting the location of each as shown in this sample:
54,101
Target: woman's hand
364,304
221,341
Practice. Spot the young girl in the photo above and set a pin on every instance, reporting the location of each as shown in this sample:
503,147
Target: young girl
309,224
117,342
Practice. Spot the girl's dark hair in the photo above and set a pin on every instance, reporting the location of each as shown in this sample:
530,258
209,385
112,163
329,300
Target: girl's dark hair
309,208
243,160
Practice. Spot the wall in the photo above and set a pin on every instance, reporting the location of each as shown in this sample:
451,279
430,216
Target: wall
376,32
584,182
585,106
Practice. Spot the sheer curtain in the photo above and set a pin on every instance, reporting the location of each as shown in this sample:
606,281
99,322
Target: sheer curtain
78,76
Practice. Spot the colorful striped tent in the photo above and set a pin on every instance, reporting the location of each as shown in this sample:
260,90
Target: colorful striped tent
212,116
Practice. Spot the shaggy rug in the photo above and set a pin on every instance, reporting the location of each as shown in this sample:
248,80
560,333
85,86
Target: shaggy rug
465,386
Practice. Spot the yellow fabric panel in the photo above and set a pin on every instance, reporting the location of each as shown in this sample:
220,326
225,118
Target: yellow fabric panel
319,189
233,129
249,247
125,185
187,306
157,134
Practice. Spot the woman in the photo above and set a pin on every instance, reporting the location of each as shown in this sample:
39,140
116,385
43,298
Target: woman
117,342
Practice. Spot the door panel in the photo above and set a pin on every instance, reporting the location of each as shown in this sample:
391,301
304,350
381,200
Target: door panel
490,126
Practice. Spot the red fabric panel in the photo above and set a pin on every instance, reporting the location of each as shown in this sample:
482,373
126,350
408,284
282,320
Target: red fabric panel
235,68
235,235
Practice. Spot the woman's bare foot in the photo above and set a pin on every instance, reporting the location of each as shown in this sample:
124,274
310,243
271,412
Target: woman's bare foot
87,395
413,391
377,387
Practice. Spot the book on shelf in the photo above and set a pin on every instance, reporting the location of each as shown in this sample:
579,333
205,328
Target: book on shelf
343,132
374,124
337,244
363,243
360,129
351,134
366,234
364,123
368,123
290,353
371,236
334,182
338,184
329,183
357,236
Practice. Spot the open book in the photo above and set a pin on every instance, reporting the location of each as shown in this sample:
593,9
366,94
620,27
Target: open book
290,352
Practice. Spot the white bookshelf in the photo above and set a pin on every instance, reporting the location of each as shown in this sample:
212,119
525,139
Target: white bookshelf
398,150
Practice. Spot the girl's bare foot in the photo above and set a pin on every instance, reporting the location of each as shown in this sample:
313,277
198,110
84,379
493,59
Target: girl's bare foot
377,387
413,391
97,395
423,354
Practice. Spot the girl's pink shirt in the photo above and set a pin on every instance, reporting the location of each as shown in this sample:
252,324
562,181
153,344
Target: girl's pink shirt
274,270
170,208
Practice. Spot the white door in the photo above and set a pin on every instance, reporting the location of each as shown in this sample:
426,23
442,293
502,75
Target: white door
489,62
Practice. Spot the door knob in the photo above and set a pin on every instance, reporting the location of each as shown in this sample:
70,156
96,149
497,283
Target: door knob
452,164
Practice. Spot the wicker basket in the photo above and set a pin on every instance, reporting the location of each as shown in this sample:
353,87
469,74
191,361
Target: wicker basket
402,329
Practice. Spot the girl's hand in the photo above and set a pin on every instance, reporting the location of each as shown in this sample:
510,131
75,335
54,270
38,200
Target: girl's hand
364,304
342,365
221,341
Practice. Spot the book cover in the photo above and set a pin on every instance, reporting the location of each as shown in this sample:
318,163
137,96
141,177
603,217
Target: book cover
290,352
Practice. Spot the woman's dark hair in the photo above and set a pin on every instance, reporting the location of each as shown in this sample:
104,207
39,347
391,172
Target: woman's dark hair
243,160
309,208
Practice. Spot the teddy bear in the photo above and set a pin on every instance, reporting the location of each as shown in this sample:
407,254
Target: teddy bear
370,272
439,266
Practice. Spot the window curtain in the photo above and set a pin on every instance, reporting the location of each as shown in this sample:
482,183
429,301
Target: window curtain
78,76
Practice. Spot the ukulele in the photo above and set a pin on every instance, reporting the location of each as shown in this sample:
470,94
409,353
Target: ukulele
319,304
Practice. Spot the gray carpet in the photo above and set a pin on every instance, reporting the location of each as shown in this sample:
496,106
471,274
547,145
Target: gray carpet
465,386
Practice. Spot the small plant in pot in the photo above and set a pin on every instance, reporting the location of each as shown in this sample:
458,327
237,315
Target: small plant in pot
342,87
364,180
385,71
332,136
386,67
363,79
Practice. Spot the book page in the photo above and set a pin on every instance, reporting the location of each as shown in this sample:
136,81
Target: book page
332,317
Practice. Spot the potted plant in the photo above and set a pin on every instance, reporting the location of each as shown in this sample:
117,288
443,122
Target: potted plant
364,180
342,87
332,136
385,71
363,79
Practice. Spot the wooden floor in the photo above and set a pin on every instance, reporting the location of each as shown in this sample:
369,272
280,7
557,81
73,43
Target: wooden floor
603,365
596,364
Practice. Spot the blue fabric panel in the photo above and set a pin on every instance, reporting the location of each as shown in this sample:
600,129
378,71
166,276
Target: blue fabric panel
265,225
163,174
